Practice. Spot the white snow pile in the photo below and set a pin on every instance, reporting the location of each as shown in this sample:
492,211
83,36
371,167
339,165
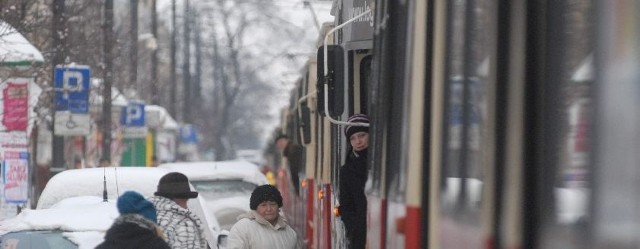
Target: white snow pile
90,182
15,48
83,220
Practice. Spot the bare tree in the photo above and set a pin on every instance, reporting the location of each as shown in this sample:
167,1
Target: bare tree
186,64
243,82
133,45
155,99
174,85
108,79
61,51
18,13
235,75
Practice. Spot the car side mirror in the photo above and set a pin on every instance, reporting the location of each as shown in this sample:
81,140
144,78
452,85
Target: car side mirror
222,241
334,80
305,123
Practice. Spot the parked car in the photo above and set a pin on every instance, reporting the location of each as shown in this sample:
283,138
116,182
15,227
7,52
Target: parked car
76,222
226,186
111,182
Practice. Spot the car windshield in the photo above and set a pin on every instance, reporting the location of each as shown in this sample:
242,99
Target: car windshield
36,239
222,188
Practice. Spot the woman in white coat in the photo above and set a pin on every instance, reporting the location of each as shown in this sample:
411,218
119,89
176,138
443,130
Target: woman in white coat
263,226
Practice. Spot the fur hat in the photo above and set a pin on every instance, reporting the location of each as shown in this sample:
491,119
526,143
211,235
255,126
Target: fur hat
175,185
264,193
132,202
356,118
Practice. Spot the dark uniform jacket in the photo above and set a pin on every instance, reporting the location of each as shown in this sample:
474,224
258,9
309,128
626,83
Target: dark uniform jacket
353,202
293,153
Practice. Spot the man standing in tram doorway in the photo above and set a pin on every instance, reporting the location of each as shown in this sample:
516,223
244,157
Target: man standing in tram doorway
353,176
293,153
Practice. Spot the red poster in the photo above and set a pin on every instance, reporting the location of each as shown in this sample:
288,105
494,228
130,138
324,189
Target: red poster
16,107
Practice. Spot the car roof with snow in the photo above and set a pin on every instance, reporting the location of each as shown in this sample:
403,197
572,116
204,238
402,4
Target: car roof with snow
83,220
213,170
90,182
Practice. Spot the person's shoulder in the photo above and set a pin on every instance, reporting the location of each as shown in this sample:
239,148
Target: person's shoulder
343,168
244,221
242,225
298,148
347,164
291,233
290,229
292,147
157,201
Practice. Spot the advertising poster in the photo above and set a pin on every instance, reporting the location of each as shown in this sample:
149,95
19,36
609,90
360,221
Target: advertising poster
15,97
15,175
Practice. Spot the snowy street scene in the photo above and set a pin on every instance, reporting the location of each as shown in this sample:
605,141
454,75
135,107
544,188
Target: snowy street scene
319,124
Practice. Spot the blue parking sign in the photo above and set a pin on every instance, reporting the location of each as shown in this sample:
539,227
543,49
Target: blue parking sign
72,88
133,114
188,134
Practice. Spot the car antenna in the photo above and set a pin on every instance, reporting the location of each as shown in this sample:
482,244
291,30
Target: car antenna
117,188
104,191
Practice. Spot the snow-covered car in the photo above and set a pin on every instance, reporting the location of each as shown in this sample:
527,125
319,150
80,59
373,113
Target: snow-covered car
144,180
77,222
91,182
225,185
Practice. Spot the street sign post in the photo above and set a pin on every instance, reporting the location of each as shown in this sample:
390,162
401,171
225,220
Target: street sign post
188,134
72,88
71,85
188,140
133,120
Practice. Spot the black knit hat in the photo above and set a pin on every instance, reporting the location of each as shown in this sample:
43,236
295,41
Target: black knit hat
175,185
264,193
356,118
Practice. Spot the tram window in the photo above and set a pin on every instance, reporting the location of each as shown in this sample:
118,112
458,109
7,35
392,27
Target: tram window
334,80
467,147
366,73
305,123
564,158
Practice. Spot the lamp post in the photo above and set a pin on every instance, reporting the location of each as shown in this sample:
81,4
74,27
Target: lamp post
108,79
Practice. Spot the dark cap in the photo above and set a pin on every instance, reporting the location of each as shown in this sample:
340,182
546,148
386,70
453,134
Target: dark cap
175,185
265,193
